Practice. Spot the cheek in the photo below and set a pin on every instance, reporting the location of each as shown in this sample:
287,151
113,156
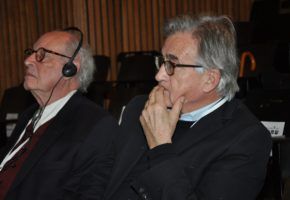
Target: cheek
48,77
49,81
31,79
177,89
185,86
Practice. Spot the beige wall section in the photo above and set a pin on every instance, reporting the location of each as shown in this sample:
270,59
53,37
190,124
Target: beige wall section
110,26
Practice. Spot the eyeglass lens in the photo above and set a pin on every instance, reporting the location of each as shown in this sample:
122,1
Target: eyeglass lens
169,66
39,53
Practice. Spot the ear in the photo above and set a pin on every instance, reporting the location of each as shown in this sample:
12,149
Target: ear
77,62
213,77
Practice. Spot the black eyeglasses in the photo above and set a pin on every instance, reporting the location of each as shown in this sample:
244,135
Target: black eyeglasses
40,53
169,65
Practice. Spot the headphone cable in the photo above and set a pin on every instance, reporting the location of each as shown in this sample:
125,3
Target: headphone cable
36,119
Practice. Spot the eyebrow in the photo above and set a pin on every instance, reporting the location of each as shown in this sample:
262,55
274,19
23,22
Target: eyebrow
172,57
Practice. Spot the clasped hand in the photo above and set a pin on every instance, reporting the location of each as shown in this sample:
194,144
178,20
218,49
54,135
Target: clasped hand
157,120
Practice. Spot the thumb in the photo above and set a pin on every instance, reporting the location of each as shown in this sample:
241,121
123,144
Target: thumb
176,109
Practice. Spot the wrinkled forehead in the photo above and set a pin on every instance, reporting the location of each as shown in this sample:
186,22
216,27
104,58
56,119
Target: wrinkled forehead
180,44
55,40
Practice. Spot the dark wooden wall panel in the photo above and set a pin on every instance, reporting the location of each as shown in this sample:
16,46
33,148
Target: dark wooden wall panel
112,33
110,26
5,39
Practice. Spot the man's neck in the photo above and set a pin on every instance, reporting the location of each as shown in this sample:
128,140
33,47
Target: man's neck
48,98
62,88
195,105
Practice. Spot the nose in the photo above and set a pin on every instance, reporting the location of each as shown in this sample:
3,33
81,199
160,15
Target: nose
29,60
161,74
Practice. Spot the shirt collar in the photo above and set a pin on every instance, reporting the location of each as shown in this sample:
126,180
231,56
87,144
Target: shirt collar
201,112
52,109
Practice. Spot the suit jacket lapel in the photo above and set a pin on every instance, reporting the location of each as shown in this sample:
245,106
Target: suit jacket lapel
212,122
54,130
23,120
197,133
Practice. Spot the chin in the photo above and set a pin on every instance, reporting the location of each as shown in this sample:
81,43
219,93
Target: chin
25,85
28,86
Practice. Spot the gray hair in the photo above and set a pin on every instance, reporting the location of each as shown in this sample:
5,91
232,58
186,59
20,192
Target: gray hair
216,36
87,64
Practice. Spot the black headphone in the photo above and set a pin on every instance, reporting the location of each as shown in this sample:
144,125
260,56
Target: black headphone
70,69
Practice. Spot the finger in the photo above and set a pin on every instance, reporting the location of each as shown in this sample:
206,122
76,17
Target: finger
176,109
146,105
152,94
146,131
160,95
144,119
167,99
145,116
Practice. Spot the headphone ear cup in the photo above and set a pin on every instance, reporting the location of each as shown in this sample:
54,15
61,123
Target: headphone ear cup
69,69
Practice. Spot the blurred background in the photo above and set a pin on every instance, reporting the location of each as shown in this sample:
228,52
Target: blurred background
110,26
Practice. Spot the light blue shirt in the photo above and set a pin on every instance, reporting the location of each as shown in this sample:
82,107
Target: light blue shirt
196,115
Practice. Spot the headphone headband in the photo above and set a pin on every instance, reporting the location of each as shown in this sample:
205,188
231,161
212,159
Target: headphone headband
69,69
72,30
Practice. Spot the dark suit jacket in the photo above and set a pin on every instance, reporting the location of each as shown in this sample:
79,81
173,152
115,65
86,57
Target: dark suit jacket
224,157
77,137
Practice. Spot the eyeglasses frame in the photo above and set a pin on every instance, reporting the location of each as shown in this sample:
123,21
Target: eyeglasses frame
30,51
173,64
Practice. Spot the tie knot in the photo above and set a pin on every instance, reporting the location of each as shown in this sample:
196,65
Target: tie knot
36,117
